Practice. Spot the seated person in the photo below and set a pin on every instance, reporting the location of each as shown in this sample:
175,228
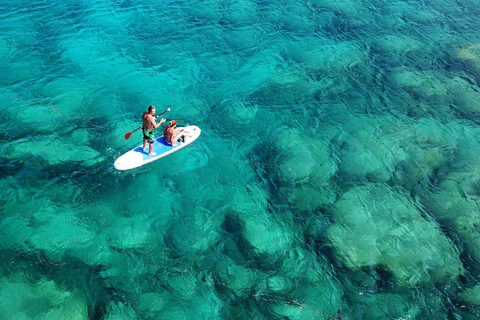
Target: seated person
172,134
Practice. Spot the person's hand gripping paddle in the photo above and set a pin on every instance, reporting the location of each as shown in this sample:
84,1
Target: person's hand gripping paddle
130,133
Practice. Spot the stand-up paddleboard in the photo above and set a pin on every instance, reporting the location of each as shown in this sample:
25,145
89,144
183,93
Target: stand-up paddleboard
137,157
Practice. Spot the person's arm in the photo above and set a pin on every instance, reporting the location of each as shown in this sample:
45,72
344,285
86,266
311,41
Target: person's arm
178,129
156,125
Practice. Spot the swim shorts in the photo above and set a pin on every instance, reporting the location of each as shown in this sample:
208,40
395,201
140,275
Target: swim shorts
148,135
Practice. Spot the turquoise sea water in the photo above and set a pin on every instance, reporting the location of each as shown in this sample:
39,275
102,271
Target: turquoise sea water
338,166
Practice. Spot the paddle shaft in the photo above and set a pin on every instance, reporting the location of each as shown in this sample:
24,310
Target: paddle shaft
127,136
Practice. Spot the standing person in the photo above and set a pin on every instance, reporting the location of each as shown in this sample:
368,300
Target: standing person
172,134
148,125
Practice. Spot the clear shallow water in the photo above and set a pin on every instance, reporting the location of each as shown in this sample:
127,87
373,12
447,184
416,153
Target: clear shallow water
337,167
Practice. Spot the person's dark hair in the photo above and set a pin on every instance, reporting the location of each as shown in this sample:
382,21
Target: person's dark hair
150,108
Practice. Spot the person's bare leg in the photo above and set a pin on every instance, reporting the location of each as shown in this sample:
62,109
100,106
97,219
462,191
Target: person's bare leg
175,139
144,144
151,148
184,135
174,142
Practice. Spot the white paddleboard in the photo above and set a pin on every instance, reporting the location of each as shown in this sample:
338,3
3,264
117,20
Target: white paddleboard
137,157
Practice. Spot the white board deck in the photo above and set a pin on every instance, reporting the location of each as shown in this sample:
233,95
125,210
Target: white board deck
137,157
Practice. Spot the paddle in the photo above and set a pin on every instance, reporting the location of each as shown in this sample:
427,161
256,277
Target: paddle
130,133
